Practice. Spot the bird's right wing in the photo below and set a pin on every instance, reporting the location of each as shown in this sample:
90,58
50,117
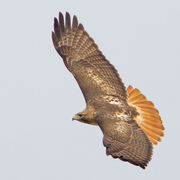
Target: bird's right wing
82,57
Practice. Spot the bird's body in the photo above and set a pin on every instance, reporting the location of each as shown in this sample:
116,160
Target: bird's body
120,114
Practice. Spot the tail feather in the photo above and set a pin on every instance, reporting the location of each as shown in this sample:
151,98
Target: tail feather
151,134
154,124
153,129
139,98
148,118
144,104
149,110
134,93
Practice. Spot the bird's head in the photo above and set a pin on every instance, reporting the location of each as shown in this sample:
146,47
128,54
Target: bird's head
85,116
78,117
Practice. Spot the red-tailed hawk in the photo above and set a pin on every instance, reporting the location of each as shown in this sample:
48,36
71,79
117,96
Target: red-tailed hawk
129,122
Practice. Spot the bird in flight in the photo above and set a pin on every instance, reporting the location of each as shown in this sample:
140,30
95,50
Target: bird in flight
129,122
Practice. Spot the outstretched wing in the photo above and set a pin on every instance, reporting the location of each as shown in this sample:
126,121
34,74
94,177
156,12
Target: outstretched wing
82,57
125,140
148,118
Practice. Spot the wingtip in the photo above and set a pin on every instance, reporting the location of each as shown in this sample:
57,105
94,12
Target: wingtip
68,20
55,21
75,21
60,14
67,13
81,27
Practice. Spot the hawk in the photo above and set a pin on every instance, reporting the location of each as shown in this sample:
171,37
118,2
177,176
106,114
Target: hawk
129,122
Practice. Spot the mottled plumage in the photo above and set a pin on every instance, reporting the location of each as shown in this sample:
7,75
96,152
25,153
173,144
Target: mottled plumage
128,133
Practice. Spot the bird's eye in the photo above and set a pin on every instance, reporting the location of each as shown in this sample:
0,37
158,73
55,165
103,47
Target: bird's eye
80,115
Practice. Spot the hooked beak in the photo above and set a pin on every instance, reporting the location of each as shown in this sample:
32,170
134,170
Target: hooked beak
76,117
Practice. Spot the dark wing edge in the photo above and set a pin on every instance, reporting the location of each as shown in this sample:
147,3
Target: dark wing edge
84,60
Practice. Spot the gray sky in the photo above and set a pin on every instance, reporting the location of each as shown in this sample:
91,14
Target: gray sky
38,96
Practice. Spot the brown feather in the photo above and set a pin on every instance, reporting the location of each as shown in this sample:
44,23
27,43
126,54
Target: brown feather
75,45
136,150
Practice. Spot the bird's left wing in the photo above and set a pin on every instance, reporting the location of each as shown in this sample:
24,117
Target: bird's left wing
125,140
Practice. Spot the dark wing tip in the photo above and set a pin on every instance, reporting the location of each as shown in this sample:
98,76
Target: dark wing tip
61,22
68,21
81,27
56,28
55,22
67,24
67,13
75,22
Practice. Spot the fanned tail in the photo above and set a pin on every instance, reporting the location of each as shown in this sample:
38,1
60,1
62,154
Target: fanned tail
148,118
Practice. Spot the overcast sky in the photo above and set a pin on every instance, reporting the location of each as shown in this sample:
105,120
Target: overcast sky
38,95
